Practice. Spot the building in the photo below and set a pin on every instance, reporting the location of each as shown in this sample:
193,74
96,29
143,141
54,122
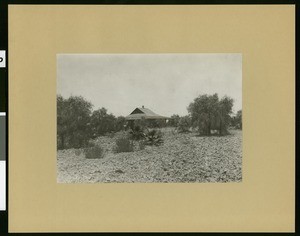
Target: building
147,116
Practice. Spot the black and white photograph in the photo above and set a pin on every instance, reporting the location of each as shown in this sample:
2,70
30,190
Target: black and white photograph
149,118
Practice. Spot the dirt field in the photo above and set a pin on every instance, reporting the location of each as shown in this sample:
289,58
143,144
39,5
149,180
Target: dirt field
182,158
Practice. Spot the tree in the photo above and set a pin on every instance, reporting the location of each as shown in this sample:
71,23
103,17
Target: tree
102,122
237,120
184,124
156,123
224,111
73,122
120,123
208,112
174,120
62,127
204,112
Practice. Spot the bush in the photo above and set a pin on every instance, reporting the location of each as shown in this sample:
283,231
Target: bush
143,123
120,123
102,122
156,123
95,152
123,145
137,133
184,124
174,120
154,137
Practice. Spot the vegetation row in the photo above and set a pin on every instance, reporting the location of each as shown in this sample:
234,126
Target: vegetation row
77,123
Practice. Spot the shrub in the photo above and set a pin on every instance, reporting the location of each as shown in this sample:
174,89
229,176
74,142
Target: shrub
119,171
184,124
120,123
143,123
137,133
90,143
174,120
154,137
95,152
123,145
102,122
156,123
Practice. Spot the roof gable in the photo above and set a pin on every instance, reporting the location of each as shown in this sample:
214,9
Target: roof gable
141,112
137,111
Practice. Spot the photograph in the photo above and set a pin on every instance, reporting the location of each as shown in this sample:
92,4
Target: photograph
149,118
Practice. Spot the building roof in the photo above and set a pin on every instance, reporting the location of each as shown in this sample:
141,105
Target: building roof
143,113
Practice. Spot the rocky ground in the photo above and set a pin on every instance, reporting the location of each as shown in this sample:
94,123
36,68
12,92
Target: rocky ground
181,158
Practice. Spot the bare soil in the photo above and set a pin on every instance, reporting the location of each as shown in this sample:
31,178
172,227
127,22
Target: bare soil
181,158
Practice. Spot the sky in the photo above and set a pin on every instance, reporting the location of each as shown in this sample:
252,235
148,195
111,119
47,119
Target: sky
164,83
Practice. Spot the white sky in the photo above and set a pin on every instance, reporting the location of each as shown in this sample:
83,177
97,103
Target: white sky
164,83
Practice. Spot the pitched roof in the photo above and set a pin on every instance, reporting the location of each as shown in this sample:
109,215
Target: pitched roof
142,112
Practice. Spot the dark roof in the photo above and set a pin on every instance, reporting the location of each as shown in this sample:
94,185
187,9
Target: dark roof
145,113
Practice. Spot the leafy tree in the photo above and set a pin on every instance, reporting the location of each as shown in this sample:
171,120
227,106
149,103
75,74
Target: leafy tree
174,120
156,123
204,112
208,112
184,124
102,122
237,120
73,122
224,112
62,127
120,123
142,123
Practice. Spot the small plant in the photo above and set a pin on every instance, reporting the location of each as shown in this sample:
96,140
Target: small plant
95,152
123,145
137,133
154,137
119,171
